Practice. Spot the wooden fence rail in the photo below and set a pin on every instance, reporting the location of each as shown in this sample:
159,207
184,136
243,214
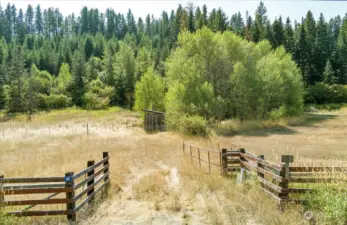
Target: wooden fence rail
277,180
96,179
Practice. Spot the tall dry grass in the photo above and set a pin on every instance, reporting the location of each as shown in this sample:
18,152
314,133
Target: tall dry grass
141,173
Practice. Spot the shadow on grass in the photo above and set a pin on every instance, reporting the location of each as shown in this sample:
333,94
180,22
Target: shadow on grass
266,128
279,130
313,118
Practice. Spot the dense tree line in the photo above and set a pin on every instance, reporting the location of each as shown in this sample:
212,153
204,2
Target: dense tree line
94,59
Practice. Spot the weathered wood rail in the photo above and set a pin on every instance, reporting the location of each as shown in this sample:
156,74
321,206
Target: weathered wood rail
277,180
77,192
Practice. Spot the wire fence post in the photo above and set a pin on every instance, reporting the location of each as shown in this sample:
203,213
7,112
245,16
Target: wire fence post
191,154
209,162
199,158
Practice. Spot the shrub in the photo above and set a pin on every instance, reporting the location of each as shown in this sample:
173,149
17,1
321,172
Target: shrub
56,101
331,203
193,126
322,93
98,95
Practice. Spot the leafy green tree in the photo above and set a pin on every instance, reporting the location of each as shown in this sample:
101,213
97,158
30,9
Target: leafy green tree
63,80
98,95
149,92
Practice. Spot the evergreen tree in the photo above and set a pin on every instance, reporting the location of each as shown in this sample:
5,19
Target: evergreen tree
29,19
321,48
38,20
17,74
78,78
191,19
328,74
278,33
237,24
289,36
204,15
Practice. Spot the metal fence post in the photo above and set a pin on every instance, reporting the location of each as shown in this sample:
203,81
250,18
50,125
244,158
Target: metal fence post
70,206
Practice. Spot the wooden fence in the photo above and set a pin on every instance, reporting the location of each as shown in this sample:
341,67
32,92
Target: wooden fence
278,180
78,189
154,121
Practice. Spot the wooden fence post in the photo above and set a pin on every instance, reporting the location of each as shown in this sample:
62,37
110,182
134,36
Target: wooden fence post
106,179
70,206
259,165
286,160
87,129
91,182
242,151
224,161
2,195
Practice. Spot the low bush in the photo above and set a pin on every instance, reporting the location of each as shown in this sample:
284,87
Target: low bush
57,101
330,204
193,126
322,93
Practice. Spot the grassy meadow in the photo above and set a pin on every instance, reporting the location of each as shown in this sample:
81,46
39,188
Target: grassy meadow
152,183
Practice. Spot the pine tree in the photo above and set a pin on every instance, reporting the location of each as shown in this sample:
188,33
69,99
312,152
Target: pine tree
289,36
110,17
310,31
84,20
78,78
38,20
17,73
328,74
237,24
2,88
88,47
278,33
131,23
191,19
321,48
29,19
204,15
301,54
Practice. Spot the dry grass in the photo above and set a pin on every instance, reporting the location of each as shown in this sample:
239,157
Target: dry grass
143,166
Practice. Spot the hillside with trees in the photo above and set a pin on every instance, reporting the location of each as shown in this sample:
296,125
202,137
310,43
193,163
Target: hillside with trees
243,66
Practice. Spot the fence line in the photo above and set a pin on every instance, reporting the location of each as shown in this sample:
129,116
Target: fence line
82,192
200,159
277,180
